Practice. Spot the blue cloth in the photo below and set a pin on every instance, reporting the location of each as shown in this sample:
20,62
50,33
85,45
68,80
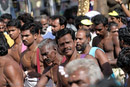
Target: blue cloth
93,50
48,35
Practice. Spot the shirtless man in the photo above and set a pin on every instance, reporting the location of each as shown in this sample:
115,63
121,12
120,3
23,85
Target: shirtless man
104,40
51,59
65,39
10,73
83,37
13,28
30,57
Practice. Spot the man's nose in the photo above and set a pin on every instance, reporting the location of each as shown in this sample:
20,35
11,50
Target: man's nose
74,85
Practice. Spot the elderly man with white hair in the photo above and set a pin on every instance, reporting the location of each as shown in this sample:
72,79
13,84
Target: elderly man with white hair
83,73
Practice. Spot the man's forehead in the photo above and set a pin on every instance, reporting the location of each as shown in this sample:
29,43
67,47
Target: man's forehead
56,20
2,23
26,32
65,37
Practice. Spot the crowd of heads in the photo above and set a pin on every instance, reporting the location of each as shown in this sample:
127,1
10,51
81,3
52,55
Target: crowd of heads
67,40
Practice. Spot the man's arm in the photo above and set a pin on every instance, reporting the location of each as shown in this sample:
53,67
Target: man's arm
123,7
14,75
42,82
104,62
116,45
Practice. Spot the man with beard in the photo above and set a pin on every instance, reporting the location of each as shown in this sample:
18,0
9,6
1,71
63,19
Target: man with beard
13,28
30,57
83,38
104,40
65,39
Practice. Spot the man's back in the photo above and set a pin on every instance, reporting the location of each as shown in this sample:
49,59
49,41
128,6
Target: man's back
10,73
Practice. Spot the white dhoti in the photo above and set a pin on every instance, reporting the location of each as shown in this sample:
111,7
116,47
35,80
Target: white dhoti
30,82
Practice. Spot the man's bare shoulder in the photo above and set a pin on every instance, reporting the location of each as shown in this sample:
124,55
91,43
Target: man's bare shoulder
96,41
26,52
11,67
10,64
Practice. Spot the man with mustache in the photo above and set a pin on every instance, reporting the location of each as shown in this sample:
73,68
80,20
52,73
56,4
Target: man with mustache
30,57
51,59
83,38
13,28
65,39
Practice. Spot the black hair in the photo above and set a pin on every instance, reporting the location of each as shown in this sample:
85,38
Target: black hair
30,26
62,19
100,19
87,32
1,20
123,60
14,22
3,45
63,32
124,34
120,12
110,24
78,20
38,25
26,18
122,15
6,16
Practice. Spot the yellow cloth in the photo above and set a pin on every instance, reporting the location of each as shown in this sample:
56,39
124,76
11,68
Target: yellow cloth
9,40
113,13
86,22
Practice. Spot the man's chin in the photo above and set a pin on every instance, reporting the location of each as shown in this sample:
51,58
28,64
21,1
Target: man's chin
78,48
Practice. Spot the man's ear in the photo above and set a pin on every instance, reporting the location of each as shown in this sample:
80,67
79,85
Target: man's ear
75,43
55,48
62,26
80,26
35,36
88,39
106,27
19,31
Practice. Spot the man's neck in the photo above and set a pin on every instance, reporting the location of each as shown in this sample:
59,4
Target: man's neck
18,40
106,34
73,56
33,46
87,49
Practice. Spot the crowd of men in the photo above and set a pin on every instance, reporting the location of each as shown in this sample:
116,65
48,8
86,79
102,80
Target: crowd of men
48,52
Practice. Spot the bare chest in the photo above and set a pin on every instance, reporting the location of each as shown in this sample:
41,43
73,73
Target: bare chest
29,60
106,44
15,52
